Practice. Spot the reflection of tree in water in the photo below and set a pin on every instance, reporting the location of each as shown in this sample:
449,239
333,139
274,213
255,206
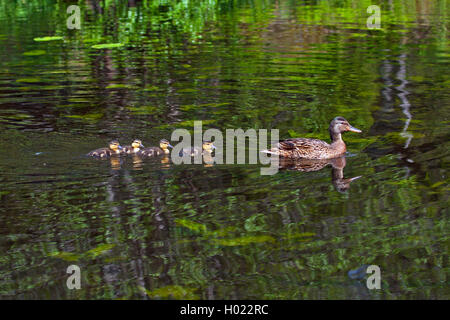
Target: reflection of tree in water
401,75
130,211
388,118
394,71
142,210
307,165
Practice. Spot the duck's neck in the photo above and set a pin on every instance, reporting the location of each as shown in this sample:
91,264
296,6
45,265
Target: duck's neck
337,143
336,137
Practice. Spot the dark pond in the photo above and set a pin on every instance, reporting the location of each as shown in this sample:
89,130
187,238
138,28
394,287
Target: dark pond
151,229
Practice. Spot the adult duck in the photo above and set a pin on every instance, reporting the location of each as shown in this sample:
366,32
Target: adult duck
305,148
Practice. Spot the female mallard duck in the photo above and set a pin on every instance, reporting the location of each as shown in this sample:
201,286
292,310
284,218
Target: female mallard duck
135,147
207,148
305,148
114,148
157,151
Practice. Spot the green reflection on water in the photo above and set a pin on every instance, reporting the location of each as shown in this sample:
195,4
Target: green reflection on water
148,229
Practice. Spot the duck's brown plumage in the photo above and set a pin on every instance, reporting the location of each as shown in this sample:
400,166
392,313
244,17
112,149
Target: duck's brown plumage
114,149
151,152
135,147
206,149
156,151
305,148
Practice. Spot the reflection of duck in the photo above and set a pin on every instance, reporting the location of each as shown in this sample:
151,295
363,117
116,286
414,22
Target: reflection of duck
137,161
135,147
305,148
337,175
307,165
114,148
165,160
157,151
207,148
116,163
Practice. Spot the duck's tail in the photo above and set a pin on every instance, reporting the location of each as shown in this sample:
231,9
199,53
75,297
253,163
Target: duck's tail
271,151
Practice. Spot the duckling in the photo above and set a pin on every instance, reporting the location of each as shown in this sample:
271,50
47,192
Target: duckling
305,148
157,151
135,147
207,146
114,149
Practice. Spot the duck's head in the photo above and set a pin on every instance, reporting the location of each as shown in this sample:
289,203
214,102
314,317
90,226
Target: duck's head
208,146
339,125
136,144
115,146
165,145
343,185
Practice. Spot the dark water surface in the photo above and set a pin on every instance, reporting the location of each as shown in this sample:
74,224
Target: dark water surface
152,229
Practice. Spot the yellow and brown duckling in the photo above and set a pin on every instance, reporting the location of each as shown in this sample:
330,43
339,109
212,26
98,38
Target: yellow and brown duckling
207,148
163,148
136,147
114,149
304,148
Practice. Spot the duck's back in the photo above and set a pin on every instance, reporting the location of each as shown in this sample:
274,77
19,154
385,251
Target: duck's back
102,152
151,152
128,150
306,148
191,151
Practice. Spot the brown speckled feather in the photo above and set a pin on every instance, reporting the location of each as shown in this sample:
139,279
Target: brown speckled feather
102,152
304,148
151,152
308,149
128,149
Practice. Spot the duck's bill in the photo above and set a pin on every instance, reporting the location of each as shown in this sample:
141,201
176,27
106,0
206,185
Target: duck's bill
213,146
353,129
119,147
142,146
354,178
171,146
